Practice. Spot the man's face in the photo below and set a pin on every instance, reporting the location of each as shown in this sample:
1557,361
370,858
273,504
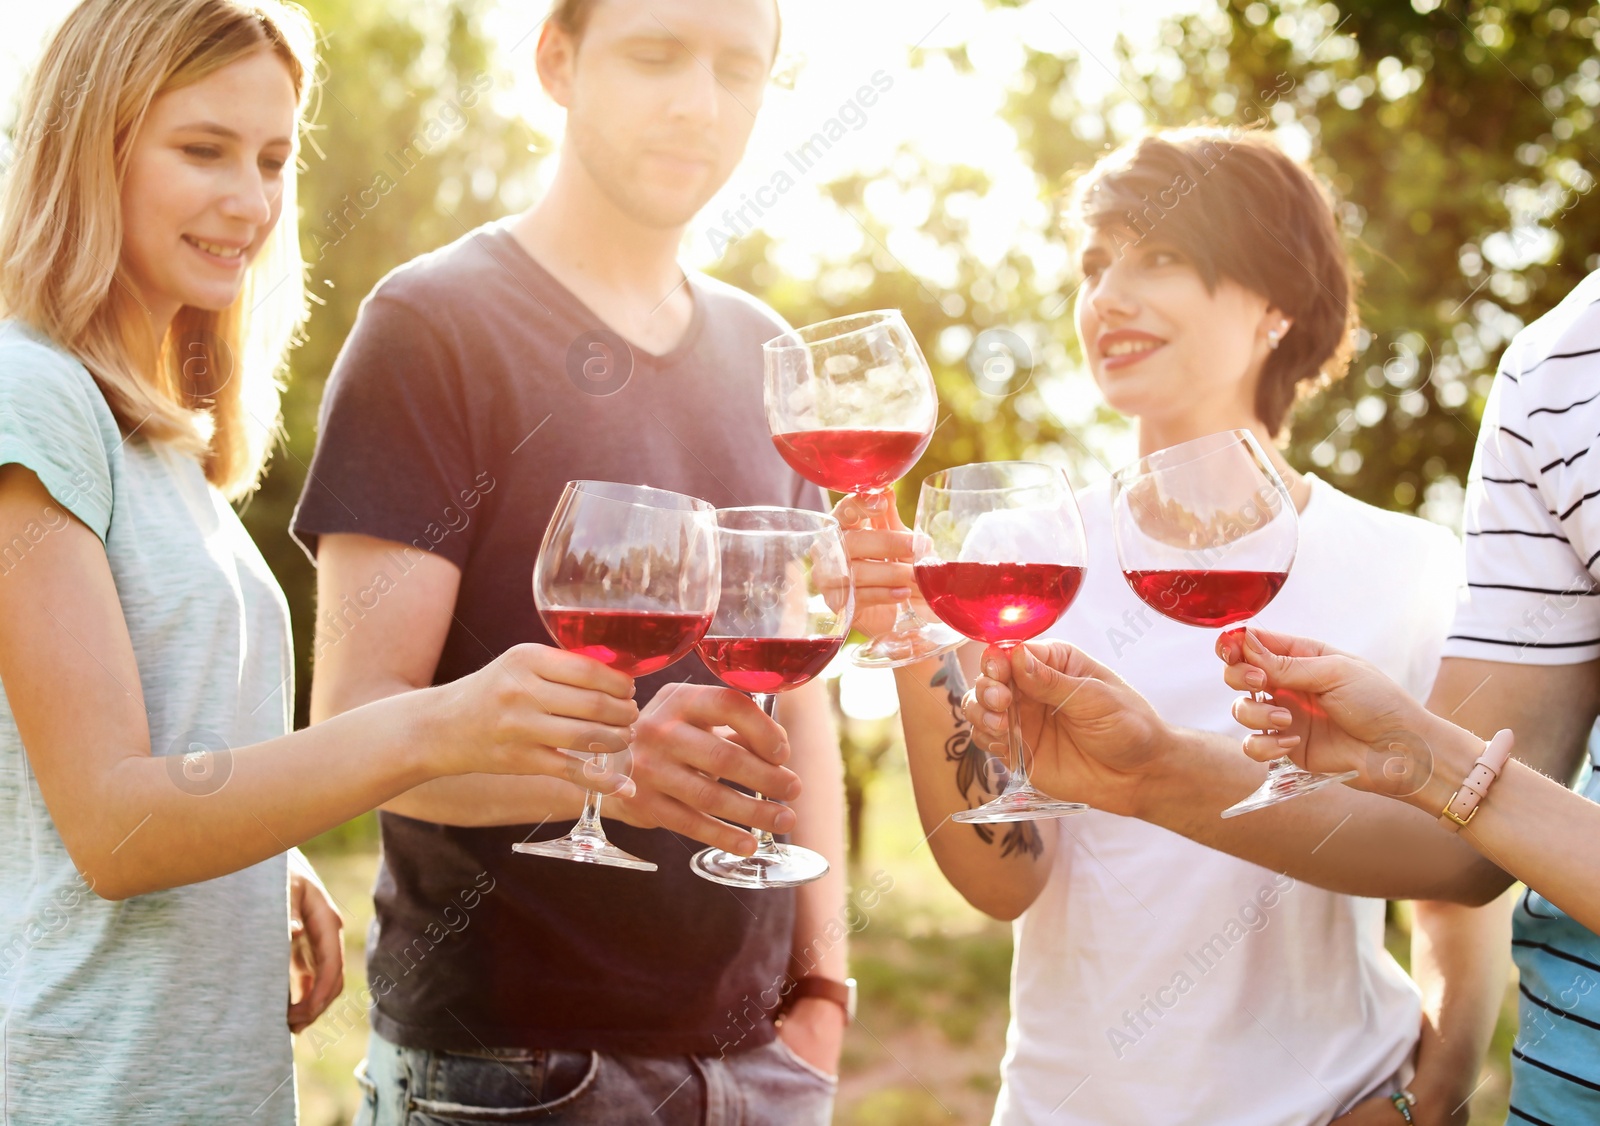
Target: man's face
661,96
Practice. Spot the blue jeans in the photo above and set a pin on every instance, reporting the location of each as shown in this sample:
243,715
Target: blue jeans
768,1086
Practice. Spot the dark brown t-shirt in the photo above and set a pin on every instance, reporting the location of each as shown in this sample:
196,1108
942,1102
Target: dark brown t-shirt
472,388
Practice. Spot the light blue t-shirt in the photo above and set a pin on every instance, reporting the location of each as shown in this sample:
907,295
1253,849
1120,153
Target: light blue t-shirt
168,1007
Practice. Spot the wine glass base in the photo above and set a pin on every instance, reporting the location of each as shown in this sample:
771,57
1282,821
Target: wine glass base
788,866
1283,785
907,647
1024,804
585,850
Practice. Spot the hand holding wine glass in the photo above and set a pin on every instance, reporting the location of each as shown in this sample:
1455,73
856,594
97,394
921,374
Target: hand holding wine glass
1092,735
881,551
1000,556
1206,533
628,576
1346,715
851,405
783,614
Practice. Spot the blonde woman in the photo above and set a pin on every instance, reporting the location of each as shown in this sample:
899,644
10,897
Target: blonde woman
149,785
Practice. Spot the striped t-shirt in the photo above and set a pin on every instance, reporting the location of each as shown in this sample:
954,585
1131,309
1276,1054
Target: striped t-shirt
1533,557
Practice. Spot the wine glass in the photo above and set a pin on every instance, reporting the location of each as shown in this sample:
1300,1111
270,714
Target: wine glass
629,576
1206,533
1000,555
851,406
784,612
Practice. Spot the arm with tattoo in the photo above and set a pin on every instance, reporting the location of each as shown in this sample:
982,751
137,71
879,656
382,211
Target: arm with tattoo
998,872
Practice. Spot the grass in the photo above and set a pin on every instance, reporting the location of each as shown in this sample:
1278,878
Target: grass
933,975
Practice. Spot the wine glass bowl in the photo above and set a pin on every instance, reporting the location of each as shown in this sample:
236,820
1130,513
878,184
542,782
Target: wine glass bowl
1000,556
1206,534
851,406
782,615
629,576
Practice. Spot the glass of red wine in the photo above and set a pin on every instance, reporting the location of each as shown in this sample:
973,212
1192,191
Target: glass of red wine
629,576
1000,556
784,612
1206,533
851,405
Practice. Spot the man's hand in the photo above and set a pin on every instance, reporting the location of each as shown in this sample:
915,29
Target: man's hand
1093,737
814,1030
690,738
316,944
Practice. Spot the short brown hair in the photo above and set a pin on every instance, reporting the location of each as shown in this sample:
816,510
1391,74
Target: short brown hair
1239,208
572,17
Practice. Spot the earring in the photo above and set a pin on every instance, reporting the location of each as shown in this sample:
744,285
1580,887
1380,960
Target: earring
1274,337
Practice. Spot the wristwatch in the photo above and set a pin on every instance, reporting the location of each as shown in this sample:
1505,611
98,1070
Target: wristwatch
841,993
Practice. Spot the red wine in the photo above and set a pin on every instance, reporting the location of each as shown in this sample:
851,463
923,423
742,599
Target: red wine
767,664
999,601
1206,598
852,461
635,642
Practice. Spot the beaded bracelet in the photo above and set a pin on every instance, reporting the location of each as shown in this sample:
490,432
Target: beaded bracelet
1475,787
1402,1101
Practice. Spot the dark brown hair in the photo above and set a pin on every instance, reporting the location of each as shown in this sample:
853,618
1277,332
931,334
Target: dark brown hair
1240,209
572,17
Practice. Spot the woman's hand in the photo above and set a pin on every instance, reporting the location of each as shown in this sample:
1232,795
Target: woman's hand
1329,712
1094,738
880,562
525,711
316,945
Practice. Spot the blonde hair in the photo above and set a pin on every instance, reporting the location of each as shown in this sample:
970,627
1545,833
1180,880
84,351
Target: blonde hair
215,391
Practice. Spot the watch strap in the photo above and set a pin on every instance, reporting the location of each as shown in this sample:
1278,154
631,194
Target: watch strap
1475,787
841,993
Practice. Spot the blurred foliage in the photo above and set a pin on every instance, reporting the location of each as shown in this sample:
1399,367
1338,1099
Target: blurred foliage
407,155
1459,138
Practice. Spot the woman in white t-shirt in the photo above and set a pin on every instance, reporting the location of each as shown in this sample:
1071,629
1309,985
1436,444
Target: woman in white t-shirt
1157,980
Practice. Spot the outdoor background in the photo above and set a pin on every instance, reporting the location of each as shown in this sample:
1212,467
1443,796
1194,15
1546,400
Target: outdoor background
1460,136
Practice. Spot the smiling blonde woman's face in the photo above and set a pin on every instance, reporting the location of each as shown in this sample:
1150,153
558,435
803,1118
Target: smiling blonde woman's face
205,184
1160,345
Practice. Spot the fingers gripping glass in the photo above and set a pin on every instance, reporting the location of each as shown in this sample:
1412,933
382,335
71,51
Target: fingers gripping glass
1000,557
784,611
628,576
1206,533
851,406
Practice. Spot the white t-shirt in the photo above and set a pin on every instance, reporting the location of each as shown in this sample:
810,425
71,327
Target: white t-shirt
1160,981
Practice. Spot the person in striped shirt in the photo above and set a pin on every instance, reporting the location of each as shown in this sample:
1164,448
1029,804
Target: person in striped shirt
1523,654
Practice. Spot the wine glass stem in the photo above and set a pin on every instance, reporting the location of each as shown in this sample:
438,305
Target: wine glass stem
766,845
588,825
1019,749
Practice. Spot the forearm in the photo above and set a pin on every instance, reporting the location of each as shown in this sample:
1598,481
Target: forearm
1461,961
151,827
820,923
462,799
1337,838
492,799
999,869
1529,825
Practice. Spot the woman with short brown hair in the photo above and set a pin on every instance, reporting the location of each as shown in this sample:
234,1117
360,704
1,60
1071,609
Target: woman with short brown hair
1156,980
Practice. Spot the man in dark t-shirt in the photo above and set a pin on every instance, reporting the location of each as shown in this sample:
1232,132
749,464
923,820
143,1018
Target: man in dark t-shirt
567,344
